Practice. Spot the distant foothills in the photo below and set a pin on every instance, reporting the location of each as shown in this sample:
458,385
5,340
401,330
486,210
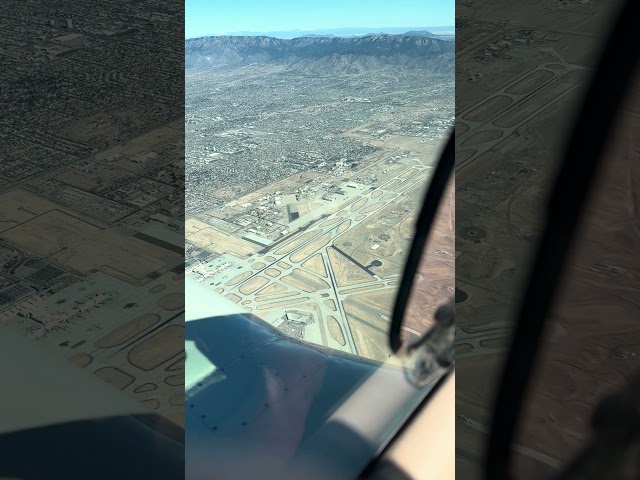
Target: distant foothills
327,54
442,31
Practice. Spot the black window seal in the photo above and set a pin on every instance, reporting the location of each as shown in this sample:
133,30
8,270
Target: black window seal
424,223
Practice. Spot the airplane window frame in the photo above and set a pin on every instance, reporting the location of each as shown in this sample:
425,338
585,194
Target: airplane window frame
424,223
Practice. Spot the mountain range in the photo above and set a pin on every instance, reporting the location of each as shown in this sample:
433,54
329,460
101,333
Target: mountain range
336,32
417,50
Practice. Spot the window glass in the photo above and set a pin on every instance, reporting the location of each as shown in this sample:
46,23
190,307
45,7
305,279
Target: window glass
311,134
307,158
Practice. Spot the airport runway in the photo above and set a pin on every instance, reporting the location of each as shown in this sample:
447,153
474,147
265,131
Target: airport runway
387,194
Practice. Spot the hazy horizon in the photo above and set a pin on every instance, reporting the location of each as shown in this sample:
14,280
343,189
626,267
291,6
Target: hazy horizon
205,18
444,30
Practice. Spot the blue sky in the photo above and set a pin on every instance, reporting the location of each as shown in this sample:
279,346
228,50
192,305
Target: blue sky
215,17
